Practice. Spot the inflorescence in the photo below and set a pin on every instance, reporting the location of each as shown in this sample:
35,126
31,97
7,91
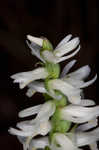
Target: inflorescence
66,120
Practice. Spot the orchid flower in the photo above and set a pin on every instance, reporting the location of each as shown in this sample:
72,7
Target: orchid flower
56,56
25,78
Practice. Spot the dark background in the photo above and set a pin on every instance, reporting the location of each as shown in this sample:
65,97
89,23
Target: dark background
53,19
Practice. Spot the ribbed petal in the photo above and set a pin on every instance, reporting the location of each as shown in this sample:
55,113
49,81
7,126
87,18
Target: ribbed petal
86,102
30,111
35,50
67,68
38,41
25,78
66,48
64,41
39,143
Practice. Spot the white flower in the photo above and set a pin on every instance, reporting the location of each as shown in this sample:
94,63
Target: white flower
77,77
79,114
34,87
24,78
56,56
38,126
68,90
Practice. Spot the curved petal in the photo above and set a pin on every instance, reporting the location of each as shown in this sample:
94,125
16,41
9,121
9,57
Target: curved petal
67,47
86,84
35,50
64,41
91,124
69,56
81,73
67,68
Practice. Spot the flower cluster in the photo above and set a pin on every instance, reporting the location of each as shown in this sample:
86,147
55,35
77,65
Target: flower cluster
66,120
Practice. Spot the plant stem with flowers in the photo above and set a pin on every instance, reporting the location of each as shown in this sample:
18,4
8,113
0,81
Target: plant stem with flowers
64,119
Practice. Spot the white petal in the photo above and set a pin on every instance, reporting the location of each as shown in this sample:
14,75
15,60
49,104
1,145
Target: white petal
68,90
66,48
19,132
46,111
44,128
69,56
30,111
39,143
30,92
35,50
36,40
25,78
64,41
74,82
63,141
91,124
67,68
81,73
50,57
87,138
86,84
37,86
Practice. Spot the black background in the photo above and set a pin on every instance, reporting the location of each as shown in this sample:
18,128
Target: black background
53,19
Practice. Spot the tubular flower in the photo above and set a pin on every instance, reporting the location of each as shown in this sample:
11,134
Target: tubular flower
67,116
